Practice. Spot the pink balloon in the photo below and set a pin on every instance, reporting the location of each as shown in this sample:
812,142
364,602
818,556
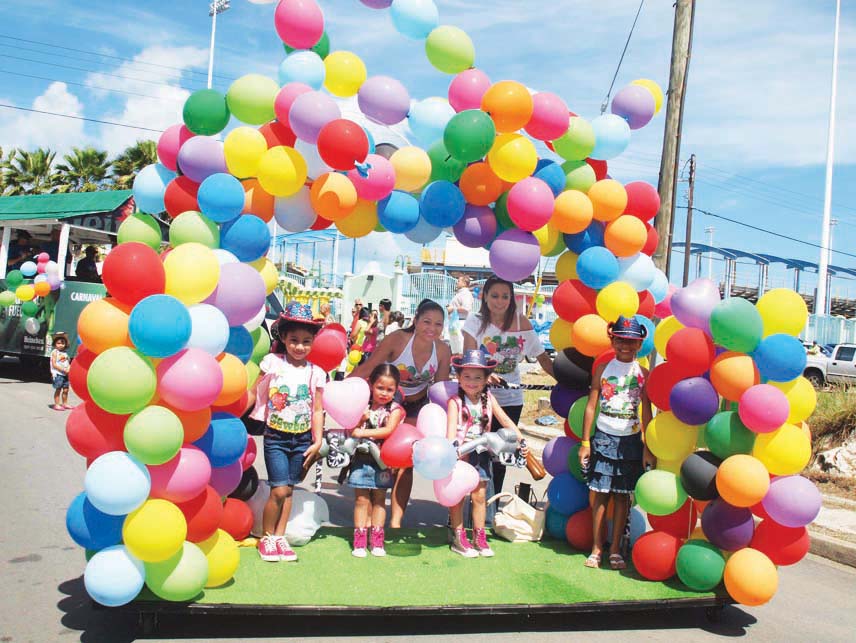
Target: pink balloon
182,478
190,380
530,204
43,257
377,181
467,89
346,401
170,143
239,294
432,421
299,23
310,112
549,117
664,308
454,487
440,392
763,408
286,97
250,454
226,479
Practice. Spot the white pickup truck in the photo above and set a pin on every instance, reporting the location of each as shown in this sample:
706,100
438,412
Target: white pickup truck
840,368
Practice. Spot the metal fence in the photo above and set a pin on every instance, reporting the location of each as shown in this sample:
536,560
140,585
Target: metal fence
830,330
426,285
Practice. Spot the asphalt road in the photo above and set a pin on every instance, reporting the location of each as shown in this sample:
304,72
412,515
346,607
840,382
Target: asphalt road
44,599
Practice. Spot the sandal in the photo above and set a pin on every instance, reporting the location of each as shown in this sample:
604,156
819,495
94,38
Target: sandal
57,407
592,561
616,561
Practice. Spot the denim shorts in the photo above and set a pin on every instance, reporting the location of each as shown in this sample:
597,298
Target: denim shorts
284,456
60,381
482,463
365,474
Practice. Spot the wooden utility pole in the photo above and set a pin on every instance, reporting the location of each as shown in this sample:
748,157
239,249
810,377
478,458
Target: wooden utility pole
688,237
681,47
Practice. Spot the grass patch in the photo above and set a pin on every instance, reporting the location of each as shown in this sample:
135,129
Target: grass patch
834,419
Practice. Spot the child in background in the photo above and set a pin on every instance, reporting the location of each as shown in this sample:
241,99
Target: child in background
470,414
288,400
615,456
369,481
60,365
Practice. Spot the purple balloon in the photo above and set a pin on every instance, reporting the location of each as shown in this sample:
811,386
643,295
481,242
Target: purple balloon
728,527
694,401
239,294
635,104
383,99
377,4
310,112
514,254
562,398
792,501
555,455
440,392
477,228
200,157
226,479
693,304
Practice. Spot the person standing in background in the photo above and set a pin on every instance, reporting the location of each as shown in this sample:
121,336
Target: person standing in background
384,318
459,310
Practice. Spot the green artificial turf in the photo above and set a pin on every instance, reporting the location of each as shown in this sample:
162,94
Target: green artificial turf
420,570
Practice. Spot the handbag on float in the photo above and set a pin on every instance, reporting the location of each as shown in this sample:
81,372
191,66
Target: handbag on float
518,521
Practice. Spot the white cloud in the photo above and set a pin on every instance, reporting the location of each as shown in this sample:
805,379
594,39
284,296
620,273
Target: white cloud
29,130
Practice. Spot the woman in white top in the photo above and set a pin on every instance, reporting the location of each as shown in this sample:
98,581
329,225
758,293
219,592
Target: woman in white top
507,336
459,310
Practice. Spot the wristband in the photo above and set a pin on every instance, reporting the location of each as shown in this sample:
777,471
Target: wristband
585,443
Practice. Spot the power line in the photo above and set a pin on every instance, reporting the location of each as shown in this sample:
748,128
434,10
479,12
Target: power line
81,118
621,59
71,82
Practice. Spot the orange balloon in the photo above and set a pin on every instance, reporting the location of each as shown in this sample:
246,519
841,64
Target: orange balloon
589,335
234,379
750,577
194,423
257,201
742,480
103,324
41,288
625,236
479,185
609,199
732,373
572,212
509,104
333,196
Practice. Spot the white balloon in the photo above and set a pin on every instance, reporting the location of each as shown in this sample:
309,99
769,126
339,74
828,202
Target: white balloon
256,321
294,213
209,329
52,268
308,512
224,256
638,271
32,325
314,164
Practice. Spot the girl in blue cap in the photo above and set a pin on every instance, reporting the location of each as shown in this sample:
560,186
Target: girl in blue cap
615,456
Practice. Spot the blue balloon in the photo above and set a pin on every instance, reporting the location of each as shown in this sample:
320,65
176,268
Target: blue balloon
150,186
611,135
240,343
221,197
414,18
567,495
434,457
780,357
370,136
302,67
638,271
117,483
159,325
552,174
29,268
555,524
588,238
90,528
114,576
428,119
225,440
399,212
247,237
423,233
442,204
648,342
659,287
597,267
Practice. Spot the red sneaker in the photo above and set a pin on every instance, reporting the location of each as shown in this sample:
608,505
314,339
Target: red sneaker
481,543
360,542
268,550
286,553
377,542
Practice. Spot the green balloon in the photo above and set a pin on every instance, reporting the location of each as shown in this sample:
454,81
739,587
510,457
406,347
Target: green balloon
250,99
252,374
194,227
261,344
7,298
726,435
142,228
29,309
577,414
736,324
574,463
578,142
379,227
469,135
153,435
205,112
14,278
500,209
660,492
443,166
121,380
180,577
700,565
450,49
579,175
322,47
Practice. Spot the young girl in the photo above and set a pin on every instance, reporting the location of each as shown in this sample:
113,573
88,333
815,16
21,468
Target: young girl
369,481
614,458
60,366
288,400
470,415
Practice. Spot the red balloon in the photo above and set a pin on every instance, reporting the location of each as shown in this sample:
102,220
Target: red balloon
77,373
397,449
342,144
92,431
660,382
180,196
643,201
654,555
578,530
203,514
277,134
236,408
758,510
237,520
328,349
679,523
569,432
600,168
604,358
690,352
321,224
646,304
783,545
573,299
132,271
651,242
250,454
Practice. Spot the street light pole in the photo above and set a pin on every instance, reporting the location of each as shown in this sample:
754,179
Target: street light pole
218,6
709,232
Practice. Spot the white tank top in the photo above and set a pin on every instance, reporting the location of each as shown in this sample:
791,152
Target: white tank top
413,381
621,386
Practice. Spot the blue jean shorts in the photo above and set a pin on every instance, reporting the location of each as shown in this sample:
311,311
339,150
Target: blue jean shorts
60,381
365,474
482,463
284,456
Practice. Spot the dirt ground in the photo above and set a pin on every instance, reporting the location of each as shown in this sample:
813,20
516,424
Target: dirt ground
530,398
833,485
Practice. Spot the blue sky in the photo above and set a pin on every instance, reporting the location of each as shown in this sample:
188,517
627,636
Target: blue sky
756,110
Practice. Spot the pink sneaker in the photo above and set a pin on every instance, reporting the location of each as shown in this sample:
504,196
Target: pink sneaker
483,548
377,542
461,545
268,550
360,541
286,553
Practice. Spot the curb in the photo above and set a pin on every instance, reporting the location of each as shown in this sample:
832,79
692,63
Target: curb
839,551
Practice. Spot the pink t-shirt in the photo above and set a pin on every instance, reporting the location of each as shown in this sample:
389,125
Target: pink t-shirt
470,416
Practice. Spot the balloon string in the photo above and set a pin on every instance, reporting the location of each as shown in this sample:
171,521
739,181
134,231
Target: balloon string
620,60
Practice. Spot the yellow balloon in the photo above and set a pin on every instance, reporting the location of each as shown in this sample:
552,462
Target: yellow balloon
267,269
361,221
664,331
26,292
566,266
785,452
192,272
547,237
282,171
155,531
801,396
345,73
669,438
412,167
782,311
672,466
512,157
655,90
560,334
618,298
354,357
243,149
223,556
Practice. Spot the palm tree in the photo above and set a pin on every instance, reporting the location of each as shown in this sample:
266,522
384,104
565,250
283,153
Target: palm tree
131,161
84,170
30,172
